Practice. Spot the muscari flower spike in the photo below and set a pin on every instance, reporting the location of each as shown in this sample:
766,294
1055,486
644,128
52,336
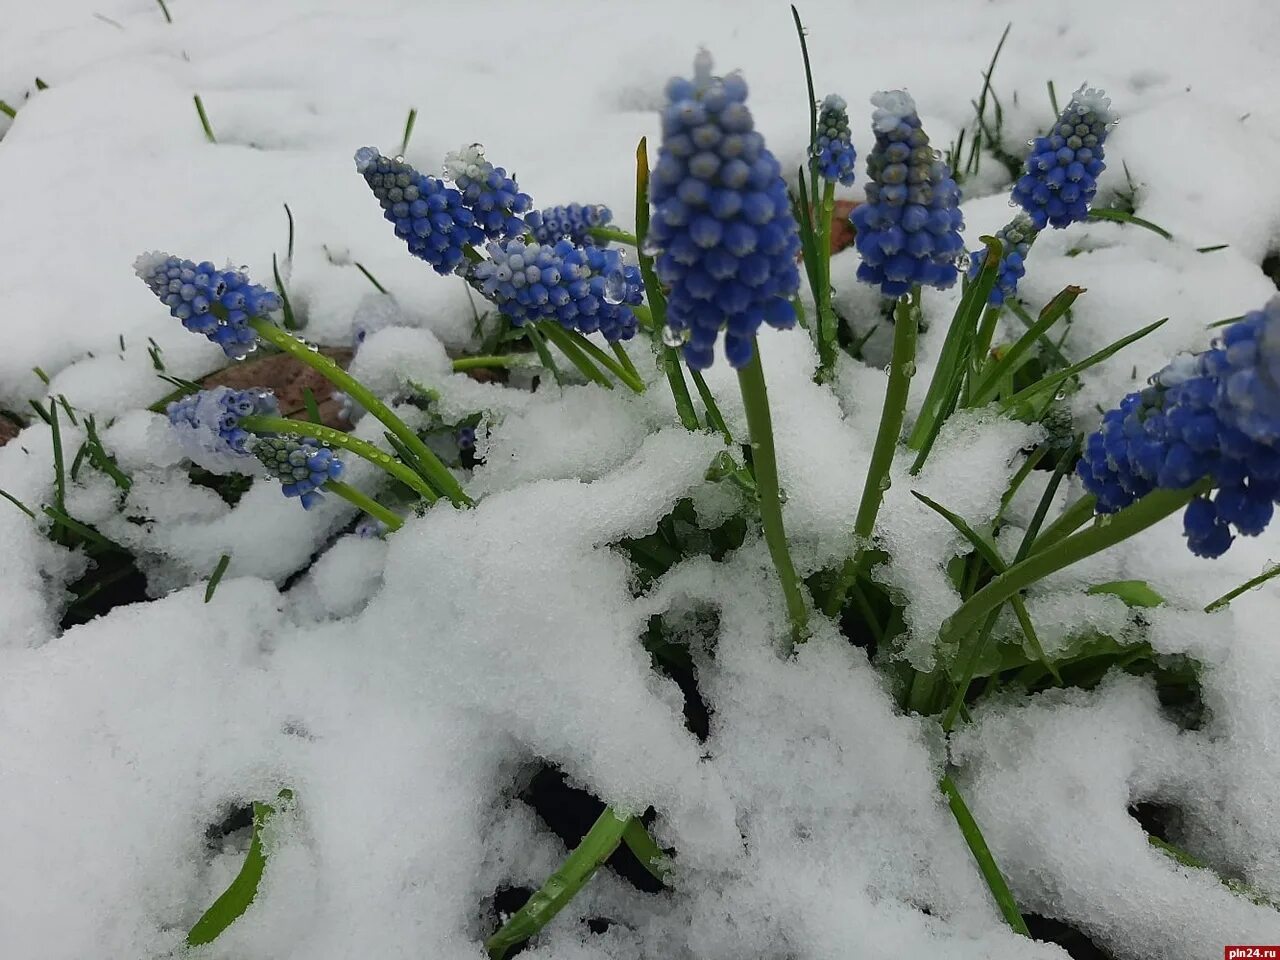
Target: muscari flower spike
572,222
908,231
1062,169
834,147
302,465
583,288
1215,414
722,227
1017,237
430,217
493,197
216,303
210,419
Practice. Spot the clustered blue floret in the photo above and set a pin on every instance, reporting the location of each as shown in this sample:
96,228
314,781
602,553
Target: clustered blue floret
1215,414
572,222
492,196
1017,237
214,417
908,231
834,147
722,222
583,288
216,303
302,464
431,217
1062,169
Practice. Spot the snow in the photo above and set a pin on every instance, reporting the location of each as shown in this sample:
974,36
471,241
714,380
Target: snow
405,688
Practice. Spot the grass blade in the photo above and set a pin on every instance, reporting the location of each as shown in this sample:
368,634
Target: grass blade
1053,379
982,855
1119,216
408,130
1050,315
204,119
216,577
236,898
1222,601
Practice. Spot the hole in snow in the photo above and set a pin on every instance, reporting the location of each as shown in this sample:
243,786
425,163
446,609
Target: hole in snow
1271,267
1076,943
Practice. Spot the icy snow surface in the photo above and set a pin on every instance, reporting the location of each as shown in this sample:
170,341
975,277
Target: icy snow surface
403,689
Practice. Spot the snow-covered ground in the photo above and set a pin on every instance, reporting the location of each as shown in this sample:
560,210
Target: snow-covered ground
400,687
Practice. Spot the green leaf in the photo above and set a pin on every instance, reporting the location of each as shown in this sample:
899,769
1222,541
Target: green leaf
1135,593
1054,379
236,898
1259,580
216,577
1120,216
982,855
1052,312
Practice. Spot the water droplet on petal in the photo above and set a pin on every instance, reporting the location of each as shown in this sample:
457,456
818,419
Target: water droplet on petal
672,337
615,287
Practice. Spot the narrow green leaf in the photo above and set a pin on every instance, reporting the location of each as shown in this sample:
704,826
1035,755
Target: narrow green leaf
1135,593
289,251
1120,216
36,406
1052,380
1053,100
290,322
84,531
165,10
313,408
59,469
982,855
371,278
8,110
71,415
1224,323
18,503
1218,246
813,108
1046,345
216,577
562,886
236,898
1052,312
650,855
1226,598
44,377
204,119
408,130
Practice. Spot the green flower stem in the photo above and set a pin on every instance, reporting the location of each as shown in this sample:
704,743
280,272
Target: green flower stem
431,467
561,887
982,855
336,438
544,354
476,363
827,325
755,399
613,234
714,418
611,364
555,333
1071,520
667,356
1105,532
1245,587
901,369
369,505
650,855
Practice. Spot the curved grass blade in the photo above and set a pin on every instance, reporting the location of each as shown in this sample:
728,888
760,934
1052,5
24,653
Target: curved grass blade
1119,216
236,898
982,854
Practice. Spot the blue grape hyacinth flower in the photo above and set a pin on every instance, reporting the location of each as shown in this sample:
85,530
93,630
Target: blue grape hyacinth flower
572,222
834,147
1062,169
210,419
908,231
429,216
1215,414
1017,237
216,303
722,227
302,465
492,196
583,288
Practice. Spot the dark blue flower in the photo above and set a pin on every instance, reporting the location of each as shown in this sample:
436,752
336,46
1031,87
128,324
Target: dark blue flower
216,303
488,192
1215,414
583,288
834,149
430,217
908,231
301,464
572,222
1062,169
1017,237
722,228
210,419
